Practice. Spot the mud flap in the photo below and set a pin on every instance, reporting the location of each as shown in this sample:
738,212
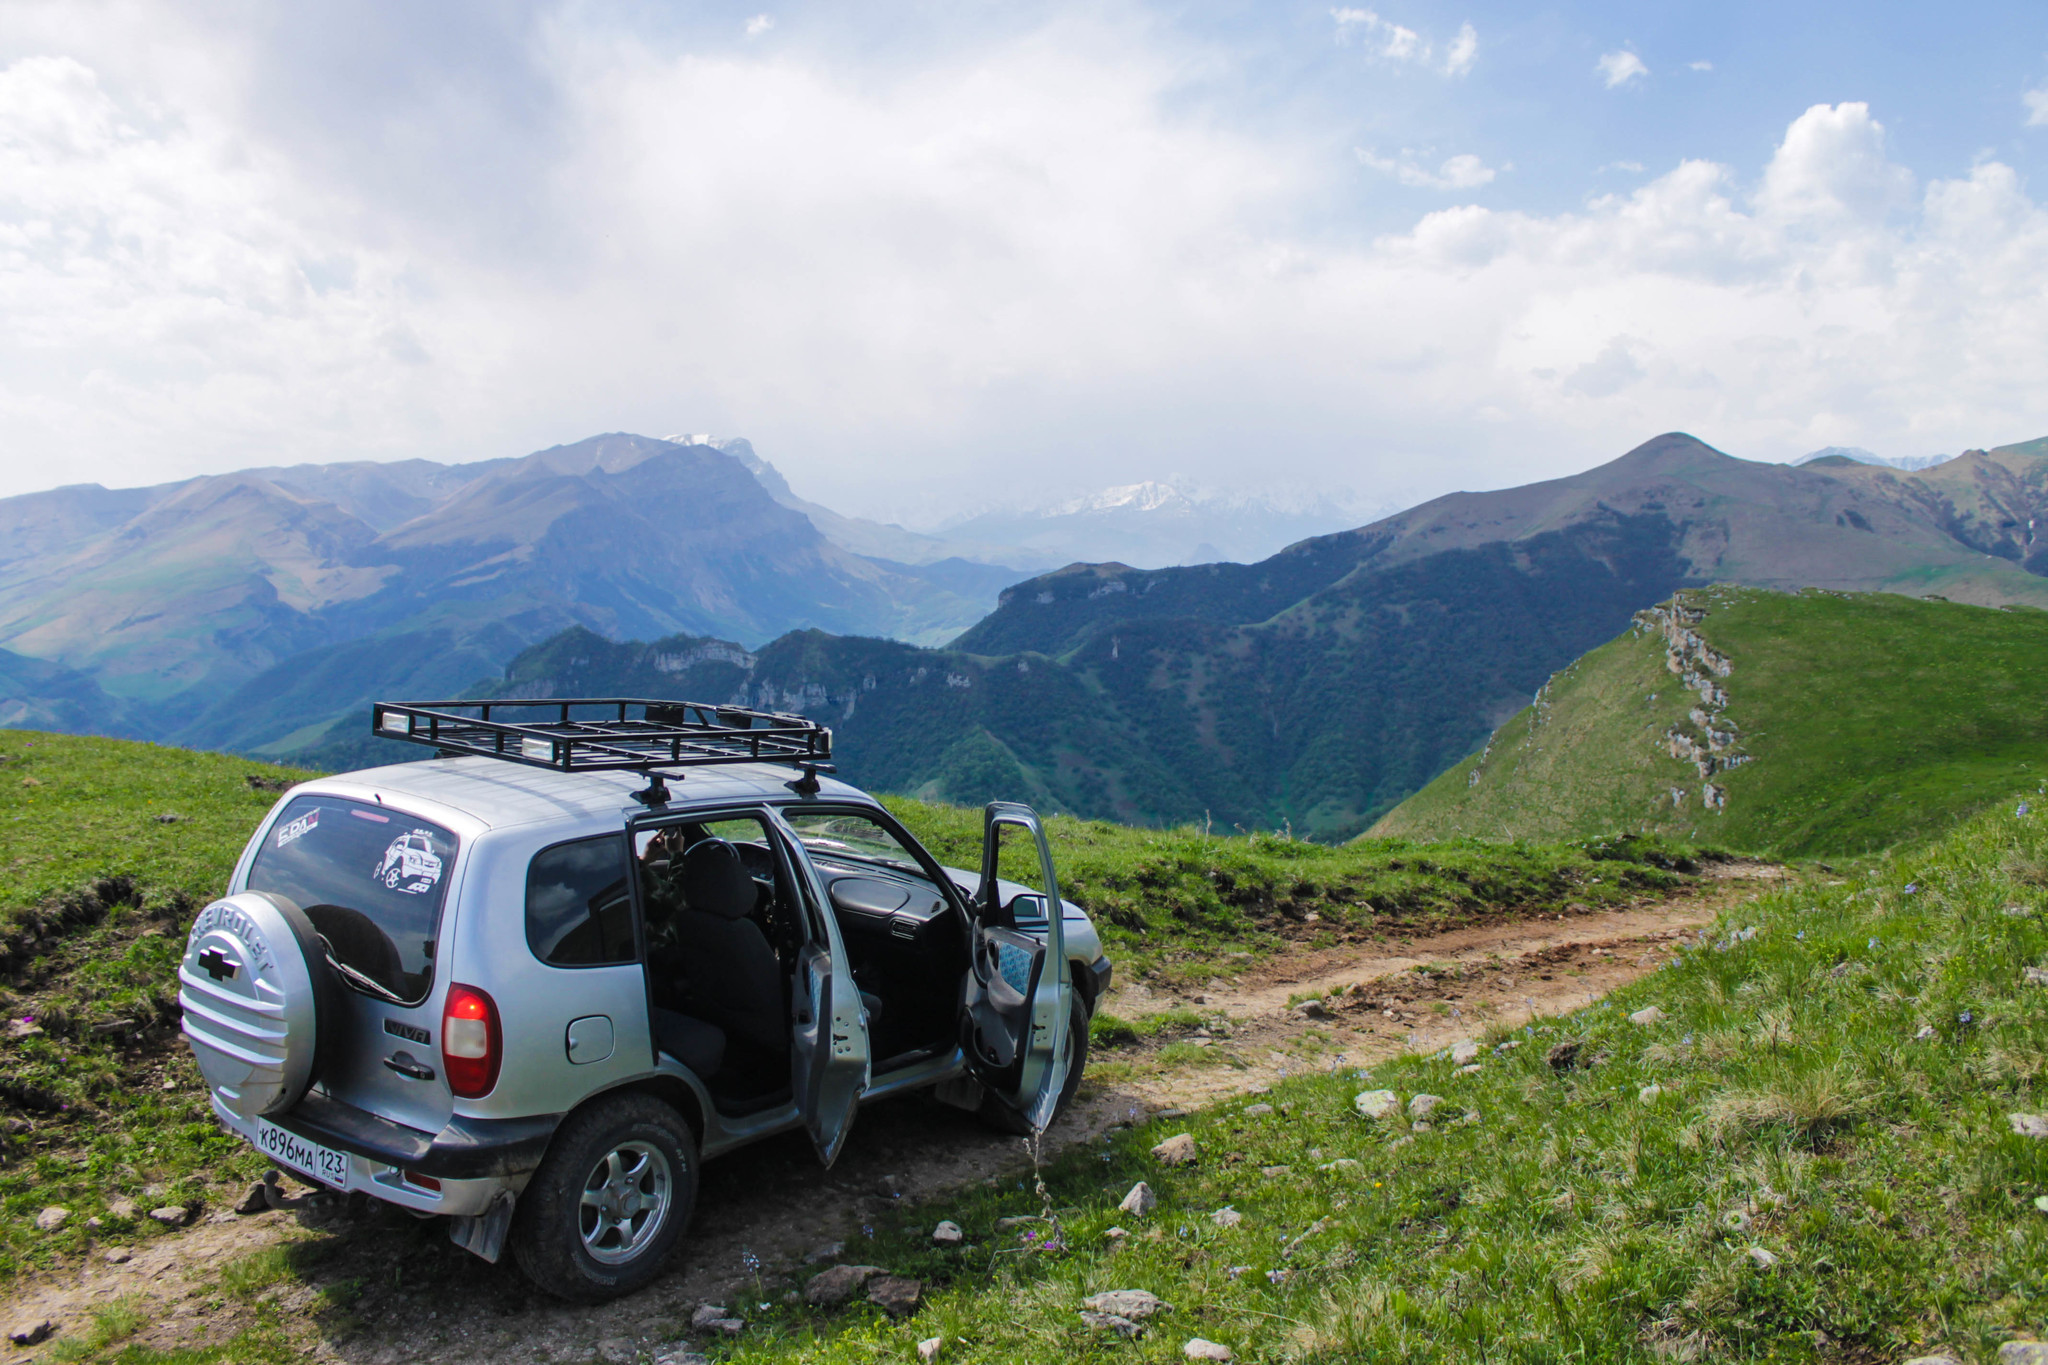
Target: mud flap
484,1234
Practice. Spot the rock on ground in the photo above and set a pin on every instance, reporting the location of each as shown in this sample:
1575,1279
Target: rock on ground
2029,1125
31,1333
896,1295
1226,1217
1140,1201
928,1349
1111,1322
1256,1111
1135,1304
1650,1093
2023,1353
1647,1016
948,1234
1563,1056
52,1218
1464,1052
833,1286
1198,1349
1178,1150
1761,1259
1422,1106
170,1215
1377,1104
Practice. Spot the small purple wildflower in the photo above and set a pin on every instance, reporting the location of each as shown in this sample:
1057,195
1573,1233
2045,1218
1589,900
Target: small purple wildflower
1966,1017
2022,810
1912,888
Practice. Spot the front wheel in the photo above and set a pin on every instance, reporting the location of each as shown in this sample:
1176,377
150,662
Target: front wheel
610,1200
999,1115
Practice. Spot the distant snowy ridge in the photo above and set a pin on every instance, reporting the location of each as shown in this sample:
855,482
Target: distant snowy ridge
1862,456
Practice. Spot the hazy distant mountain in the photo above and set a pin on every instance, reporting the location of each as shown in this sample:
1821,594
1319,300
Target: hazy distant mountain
210,602
1157,525
1858,455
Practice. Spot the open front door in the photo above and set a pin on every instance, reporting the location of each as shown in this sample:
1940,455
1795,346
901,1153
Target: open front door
829,1054
1018,994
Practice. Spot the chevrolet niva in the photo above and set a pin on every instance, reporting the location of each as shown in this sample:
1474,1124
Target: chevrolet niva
513,985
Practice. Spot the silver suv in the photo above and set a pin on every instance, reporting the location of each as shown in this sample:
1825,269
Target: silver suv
529,985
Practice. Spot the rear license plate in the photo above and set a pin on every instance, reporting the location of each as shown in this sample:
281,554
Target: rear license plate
324,1164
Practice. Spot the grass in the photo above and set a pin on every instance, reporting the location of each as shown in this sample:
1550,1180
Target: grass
1808,1157
1869,720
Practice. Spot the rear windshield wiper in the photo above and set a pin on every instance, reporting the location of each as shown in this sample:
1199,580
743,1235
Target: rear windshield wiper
363,980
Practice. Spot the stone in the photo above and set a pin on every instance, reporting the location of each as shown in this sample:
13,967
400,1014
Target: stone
1422,1106
1312,1009
170,1215
830,1251
1257,1111
31,1332
1926,1032
52,1218
1110,1322
1274,1172
1761,1259
1342,1163
1377,1104
1932,1360
708,1316
896,1295
1198,1349
1226,1217
679,1354
2037,976
1470,1069
948,1234
2023,1353
116,1255
1464,1052
1647,1016
1178,1150
1114,1234
1563,1056
257,1200
1650,1093
928,1349
2029,1125
833,1286
121,1208
1135,1304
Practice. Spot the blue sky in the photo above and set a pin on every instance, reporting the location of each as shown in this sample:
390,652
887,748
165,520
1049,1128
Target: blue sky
931,255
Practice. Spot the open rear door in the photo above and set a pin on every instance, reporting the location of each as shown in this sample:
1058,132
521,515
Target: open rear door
1018,995
829,1056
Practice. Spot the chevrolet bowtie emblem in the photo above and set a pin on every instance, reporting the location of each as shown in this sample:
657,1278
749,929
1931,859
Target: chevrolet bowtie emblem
217,964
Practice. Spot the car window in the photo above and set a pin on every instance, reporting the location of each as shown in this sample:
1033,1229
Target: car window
371,879
578,910
852,840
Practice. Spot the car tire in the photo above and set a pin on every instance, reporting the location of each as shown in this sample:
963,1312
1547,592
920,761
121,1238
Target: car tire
998,1114
610,1200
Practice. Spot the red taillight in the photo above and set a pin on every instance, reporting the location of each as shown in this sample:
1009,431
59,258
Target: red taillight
425,1182
471,1043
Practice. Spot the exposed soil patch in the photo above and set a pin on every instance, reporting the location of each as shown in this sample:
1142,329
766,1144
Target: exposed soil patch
374,1285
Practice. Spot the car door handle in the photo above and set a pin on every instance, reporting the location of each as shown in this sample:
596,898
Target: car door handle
405,1065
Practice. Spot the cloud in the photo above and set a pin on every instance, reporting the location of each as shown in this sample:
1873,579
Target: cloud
1393,42
1461,172
1619,68
1021,263
2037,107
759,25
1701,65
1632,167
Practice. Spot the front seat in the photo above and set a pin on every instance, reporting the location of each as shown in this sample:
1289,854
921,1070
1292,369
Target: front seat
732,976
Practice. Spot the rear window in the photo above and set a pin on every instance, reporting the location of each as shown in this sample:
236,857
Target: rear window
371,879
578,913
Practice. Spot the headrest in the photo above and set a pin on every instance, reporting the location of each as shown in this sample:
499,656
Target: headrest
716,882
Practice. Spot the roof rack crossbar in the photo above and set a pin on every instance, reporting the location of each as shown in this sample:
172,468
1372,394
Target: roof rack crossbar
546,733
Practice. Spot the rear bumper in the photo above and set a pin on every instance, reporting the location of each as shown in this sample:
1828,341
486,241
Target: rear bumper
474,1160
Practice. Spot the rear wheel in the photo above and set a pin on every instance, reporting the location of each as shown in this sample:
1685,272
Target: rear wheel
999,1115
610,1201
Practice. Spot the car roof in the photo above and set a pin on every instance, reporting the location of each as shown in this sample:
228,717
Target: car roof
498,794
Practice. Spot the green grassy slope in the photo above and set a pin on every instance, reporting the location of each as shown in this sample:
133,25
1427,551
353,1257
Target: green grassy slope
102,1100
1852,721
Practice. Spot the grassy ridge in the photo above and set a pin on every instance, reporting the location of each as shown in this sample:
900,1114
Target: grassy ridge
102,1100
1868,719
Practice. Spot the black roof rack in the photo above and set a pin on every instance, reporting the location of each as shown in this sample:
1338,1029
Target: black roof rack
600,734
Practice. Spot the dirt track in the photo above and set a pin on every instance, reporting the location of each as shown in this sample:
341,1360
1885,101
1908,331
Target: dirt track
763,1209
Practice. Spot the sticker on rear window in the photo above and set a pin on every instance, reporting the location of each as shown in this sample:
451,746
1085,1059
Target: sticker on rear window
298,828
410,864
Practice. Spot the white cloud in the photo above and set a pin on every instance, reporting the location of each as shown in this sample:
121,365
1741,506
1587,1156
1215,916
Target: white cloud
759,25
1701,65
2037,107
1619,68
1461,172
1464,51
1632,167
1019,265
1395,43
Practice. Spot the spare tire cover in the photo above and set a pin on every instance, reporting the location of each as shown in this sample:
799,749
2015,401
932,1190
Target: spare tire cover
250,987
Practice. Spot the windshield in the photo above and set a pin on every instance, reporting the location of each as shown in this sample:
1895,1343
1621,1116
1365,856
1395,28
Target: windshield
845,837
371,879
